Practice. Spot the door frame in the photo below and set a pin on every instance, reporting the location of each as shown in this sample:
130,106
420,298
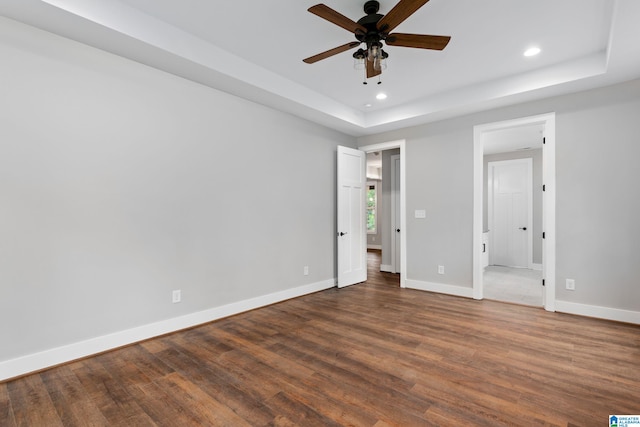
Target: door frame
394,202
548,201
528,162
401,143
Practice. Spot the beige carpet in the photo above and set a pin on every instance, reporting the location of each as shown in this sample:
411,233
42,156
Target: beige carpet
517,285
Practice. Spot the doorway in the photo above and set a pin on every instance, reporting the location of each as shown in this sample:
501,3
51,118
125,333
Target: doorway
395,229
543,266
508,274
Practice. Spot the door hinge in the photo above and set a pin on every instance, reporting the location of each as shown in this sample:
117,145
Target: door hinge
544,187
543,282
543,235
544,140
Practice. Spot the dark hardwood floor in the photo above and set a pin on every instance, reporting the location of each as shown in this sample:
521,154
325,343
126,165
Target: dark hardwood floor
366,355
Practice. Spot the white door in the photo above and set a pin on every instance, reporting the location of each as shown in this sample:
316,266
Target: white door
352,213
395,214
510,215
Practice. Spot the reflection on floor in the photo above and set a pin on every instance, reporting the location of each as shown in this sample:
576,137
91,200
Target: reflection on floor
517,285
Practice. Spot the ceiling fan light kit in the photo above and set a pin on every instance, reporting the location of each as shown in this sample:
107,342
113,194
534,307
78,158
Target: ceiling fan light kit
373,29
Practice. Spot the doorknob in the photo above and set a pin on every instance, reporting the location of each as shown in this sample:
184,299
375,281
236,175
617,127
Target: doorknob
522,228
397,230
341,234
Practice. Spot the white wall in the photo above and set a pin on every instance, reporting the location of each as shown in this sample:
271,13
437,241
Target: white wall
120,183
440,188
598,234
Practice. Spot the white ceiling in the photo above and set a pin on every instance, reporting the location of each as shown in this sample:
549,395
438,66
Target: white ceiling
254,49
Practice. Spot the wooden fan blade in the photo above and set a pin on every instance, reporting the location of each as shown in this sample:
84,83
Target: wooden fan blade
325,12
371,72
418,40
400,12
330,52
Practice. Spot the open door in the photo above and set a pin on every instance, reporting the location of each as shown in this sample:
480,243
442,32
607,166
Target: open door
352,233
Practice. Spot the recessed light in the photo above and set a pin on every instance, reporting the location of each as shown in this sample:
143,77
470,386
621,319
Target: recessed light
367,105
381,96
532,51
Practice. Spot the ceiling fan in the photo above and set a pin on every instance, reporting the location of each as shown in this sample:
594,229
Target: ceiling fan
373,29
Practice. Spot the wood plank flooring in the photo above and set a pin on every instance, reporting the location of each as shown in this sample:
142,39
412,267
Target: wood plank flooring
367,355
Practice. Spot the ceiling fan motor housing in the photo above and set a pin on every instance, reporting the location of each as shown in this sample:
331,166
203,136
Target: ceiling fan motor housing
371,7
370,21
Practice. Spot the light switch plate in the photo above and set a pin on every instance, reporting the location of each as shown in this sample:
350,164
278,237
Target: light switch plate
420,213
176,296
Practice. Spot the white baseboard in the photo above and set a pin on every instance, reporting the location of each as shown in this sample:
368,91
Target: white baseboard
599,312
537,267
441,288
386,268
55,356
374,247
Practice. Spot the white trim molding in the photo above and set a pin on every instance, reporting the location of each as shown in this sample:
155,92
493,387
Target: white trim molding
599,312
441,288
386,268
536,267
59,355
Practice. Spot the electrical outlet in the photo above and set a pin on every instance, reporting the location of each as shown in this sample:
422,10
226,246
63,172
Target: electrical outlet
570,284
441,269
176,296
305,271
